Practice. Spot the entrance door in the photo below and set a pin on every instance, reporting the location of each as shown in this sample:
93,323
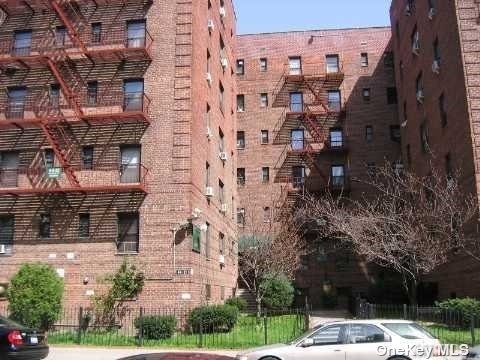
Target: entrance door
130,164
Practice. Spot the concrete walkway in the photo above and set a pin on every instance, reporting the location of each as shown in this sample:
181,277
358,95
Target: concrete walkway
92,353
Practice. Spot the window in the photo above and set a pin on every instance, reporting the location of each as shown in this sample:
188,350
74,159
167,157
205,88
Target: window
16,102
196,239
332,64
296,102
264,100
371,168
92,93
295,65
424,137
436,52
395,134
49,158
9,161
241,140
366,94
298,176
96,33
221,192
304,262
209,63
130,163
221,97
221,141
338,175
364,59
415,39
222,292
431,6
87,157
54,96
240,67
265,174
263,64
22,42
240,103
207,174
334,100
128,232
136,32
391,95
443,110
60,34
368,133
366,334
336,138
264,137
241,216
448,166
388,59
221,243
419,88
297,139
266,214
329,335
207,241
208,292
83,225
7,231
405,113
133,95
241,176
45,226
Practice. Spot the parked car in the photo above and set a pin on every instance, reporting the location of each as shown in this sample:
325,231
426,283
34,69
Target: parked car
473,353
355,340
20,342
177,356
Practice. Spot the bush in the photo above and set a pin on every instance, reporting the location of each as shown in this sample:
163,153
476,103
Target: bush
157,327
213,318
239,303
35,296
278,292
463,309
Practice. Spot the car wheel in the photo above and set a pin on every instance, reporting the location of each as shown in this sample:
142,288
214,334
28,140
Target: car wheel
270,358
399,358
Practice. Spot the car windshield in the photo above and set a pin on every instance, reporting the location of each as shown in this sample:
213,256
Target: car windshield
409,330
10,323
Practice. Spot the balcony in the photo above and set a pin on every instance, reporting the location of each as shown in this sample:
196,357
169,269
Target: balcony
113,106
113,178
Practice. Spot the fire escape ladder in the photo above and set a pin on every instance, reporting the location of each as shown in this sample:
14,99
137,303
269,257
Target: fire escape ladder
317,91
52,134
311,162
68,93
312,126
72,28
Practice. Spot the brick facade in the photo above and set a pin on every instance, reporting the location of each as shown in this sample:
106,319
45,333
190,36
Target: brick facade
172,134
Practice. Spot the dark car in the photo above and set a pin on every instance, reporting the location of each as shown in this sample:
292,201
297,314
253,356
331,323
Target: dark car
178,356
19,342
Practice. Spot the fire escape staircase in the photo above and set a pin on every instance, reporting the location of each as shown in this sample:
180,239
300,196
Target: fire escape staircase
73,21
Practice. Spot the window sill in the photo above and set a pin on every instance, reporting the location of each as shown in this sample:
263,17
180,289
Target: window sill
126,253
196,251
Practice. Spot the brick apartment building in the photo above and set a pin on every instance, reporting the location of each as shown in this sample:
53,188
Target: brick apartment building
315,109
115,144
437,63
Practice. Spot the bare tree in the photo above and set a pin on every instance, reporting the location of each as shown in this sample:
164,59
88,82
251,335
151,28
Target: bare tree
269,245
412,225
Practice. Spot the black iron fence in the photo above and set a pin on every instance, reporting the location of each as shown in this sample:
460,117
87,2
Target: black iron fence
130,327
450,326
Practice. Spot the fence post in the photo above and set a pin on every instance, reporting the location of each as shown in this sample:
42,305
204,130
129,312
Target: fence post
472,329
200,335
307,317
80,320
405,312
265,326
140,330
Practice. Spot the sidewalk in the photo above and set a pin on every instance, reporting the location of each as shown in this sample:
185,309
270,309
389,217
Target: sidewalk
92,353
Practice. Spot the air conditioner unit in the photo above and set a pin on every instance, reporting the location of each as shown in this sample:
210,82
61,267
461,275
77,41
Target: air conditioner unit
209,191
436,66
420,96
223,156
223,12
3,249
209,132
416,47
224,208
211,25
224,62
208,77
408,10
221,259
431,13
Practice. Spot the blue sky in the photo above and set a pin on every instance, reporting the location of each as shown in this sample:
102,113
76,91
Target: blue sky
283,15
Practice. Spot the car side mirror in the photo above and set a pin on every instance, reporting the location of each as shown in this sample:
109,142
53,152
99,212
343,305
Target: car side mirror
307,343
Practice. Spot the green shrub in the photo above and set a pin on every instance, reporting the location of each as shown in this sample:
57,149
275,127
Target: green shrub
238,302
329,301
213,318
278,292
462,309
35,296
157,327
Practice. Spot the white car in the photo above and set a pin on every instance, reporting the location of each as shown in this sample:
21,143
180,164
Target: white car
355,340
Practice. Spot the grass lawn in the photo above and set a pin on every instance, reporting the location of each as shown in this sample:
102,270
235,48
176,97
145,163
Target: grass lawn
453,336
247,333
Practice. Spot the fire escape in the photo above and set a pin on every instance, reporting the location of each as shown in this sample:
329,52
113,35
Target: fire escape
55,111
312,108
